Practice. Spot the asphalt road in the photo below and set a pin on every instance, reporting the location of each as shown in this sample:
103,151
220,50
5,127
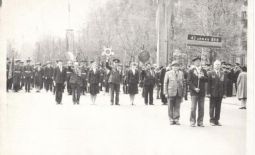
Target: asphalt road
35,125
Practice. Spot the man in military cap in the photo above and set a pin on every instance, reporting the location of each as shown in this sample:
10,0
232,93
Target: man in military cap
48,76
17,76
197,78
114,80
28,73
59,81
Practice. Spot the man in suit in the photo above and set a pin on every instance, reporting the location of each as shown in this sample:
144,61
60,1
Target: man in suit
216,90
197,78
84,75
114,80
149,81
68,74
174,91
59,81
28,73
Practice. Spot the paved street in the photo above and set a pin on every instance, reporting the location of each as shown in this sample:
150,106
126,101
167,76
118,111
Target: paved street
35,125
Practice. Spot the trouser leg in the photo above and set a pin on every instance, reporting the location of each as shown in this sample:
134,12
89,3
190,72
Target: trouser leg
151,94
171,102
212,110
218,109
117,90
194,100
177,105
146,93
200,118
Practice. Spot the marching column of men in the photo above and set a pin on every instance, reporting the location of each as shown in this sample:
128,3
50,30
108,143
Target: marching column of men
171,83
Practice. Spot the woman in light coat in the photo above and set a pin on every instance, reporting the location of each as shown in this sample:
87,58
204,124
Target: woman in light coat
242,87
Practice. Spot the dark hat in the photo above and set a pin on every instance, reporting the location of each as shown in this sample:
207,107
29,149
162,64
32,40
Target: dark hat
116,60
92,61
196,58
17,60
223,63
237,64
175,63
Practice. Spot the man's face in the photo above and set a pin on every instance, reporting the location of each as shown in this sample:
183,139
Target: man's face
115,65
217,65
59,63
197,63
175,67
133,67
48,65
148,66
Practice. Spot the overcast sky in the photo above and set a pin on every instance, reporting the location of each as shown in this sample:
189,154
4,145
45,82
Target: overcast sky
24,21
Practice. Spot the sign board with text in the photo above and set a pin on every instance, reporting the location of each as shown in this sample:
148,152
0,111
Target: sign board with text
204,41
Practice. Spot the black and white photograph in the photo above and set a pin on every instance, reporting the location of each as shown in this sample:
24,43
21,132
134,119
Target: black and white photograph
127,77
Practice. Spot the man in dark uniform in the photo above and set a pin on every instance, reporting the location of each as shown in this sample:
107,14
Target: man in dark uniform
162,77
197,78
59,81
158,84
17,76
114,80
84,73
28,73
216,91
149,80
68,74
48,76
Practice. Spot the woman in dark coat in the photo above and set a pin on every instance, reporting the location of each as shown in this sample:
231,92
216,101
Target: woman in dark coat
93,82
76,83
132,82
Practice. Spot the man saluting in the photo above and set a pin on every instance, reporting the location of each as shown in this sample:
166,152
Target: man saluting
114,80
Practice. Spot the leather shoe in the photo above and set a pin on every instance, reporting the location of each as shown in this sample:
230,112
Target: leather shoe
177,123
213,124
218,124
201,125
171,123
192,125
